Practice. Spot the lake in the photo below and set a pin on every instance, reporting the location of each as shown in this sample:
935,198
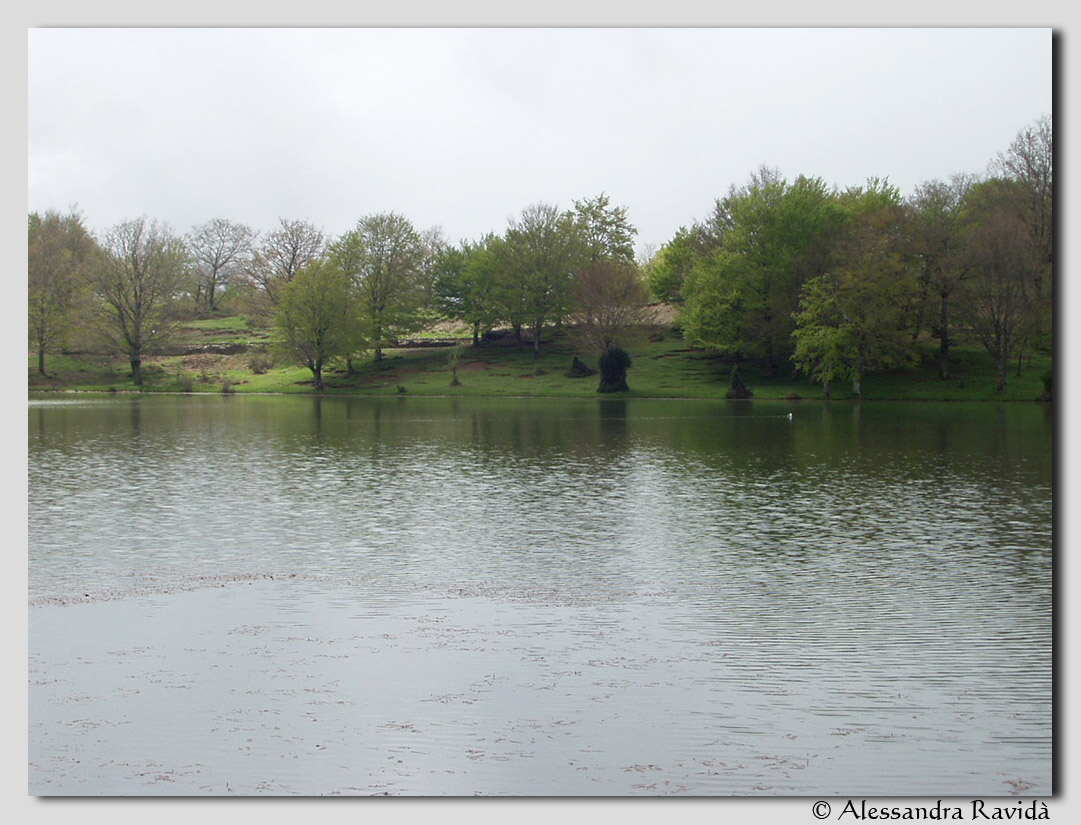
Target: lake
533,597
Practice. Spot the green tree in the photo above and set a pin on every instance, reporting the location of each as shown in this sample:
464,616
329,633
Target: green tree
855,318
60,252
774,237
673,263
937,233
605,229
138,279
537,261
314,317
387,261
463,279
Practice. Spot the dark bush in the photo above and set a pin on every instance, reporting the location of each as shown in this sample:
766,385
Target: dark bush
579,369
614,364
736,388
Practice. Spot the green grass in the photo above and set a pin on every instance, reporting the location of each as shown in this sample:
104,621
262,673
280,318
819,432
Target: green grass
233,323
225,330
666,368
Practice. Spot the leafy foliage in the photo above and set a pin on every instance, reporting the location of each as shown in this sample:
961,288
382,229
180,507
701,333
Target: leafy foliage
314,318
386,260
60,253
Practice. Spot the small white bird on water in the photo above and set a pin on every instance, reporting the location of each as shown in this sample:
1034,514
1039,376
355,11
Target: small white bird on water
790,416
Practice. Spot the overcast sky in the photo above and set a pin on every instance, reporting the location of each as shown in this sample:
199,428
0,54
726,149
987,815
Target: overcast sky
463,128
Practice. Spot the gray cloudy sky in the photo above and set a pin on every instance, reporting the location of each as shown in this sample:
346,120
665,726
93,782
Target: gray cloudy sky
463,128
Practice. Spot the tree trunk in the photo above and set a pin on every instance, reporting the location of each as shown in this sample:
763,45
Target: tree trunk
136,370
944,339
518,336
317,374
536,340
771,361
476,333
41,359
1003,368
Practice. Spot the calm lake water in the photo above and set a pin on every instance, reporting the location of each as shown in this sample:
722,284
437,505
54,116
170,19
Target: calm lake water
277,595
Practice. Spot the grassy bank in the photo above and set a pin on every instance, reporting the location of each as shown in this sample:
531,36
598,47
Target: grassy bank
226,353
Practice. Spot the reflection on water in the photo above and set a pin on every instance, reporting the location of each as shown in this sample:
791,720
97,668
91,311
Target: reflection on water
655,597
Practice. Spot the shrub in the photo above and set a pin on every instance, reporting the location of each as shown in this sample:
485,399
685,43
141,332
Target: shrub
260,363
1047,378
579,369
614,364
736,388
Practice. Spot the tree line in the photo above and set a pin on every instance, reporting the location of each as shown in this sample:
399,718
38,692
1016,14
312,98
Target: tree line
841,283
830,283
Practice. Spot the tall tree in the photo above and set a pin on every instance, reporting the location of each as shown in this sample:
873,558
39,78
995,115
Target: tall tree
674,261
137,281
1029,164
462,281
281,254
1000,302
59,254
775,237
541,253
855,318
1029,161
937,235
387,262
220,250
605,229
314,317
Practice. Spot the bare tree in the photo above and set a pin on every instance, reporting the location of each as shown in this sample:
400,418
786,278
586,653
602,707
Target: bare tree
220,249
1000,303
1030,162
138,279
283,253
611,299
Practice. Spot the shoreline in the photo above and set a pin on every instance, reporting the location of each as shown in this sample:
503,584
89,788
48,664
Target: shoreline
530,396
